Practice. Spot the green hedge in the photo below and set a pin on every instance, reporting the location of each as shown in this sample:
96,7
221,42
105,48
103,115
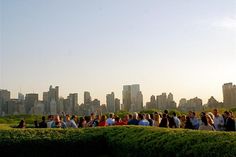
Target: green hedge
121,141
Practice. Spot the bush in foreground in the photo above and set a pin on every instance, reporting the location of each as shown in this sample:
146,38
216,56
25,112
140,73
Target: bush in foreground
117,141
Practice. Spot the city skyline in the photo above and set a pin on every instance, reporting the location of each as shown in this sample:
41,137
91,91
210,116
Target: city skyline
132,101
87,96
186,47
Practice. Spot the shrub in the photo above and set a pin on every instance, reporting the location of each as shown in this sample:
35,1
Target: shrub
120,140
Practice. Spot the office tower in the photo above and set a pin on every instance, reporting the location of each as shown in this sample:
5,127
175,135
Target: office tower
170,97
134,93
21,96
229,95
110,99
132,98
51,95
126,94
87,98
162,101
139,101
117,105
30,100
182,102
4,98
95,106
72,103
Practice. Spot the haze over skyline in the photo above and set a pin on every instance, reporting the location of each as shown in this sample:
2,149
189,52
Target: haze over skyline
184,47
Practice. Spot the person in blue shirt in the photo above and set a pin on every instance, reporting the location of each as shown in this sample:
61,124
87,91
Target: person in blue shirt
142,120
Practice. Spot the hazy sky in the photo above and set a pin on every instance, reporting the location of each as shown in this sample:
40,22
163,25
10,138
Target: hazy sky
187,47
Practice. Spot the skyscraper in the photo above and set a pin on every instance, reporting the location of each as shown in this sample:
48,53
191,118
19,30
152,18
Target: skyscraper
5,96
117,105
51,95
126,94
132,97
87,98
72,103
30,100
229,95
110,99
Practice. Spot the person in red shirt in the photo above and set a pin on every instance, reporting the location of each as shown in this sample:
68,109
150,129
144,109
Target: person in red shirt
118,121
103,121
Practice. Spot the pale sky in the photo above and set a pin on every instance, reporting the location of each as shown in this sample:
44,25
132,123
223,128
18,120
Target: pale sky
187,47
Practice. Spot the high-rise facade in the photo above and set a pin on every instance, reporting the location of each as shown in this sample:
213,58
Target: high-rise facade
229,95
5,96
132,98
110,99
117,105
51,96
72,103
30,100
87,98
126,95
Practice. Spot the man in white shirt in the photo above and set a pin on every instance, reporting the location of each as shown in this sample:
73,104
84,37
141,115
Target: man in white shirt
111,121
50,120
218,121
177,121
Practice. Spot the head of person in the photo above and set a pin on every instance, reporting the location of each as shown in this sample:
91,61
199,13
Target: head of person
166,111
130,116
73,117
202,114
211,115
209,119
140,116
43,118
92,116
117,119
157,117
111,115
204,120
183,118
135,115
226,114
147,116
126,117
103,118
174,114
67,117
57,119
215,112
50,117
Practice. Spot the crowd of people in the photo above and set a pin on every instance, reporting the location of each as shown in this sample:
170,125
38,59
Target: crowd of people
212,121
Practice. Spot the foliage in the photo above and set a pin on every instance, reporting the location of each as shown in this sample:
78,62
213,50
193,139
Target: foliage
121,140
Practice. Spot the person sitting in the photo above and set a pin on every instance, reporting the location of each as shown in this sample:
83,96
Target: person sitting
82,122
111,121
21,124
205,125
164,121
43,124
103,121
143,121
58,123
134,120
50,120
229,122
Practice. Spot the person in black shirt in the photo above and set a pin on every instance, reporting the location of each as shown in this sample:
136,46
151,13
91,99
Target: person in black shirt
229,122
43,124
